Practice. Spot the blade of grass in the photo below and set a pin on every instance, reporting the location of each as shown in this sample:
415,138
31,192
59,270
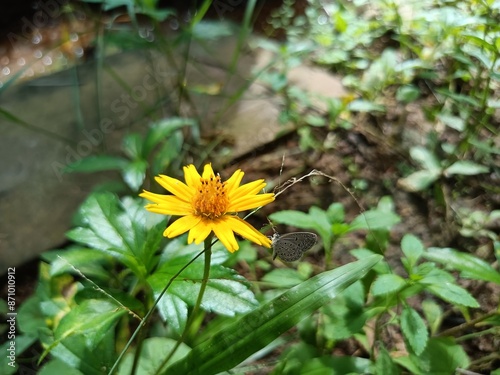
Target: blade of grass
255,330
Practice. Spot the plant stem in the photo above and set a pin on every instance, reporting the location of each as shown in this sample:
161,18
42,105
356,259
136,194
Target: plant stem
203,286
146,317
454,330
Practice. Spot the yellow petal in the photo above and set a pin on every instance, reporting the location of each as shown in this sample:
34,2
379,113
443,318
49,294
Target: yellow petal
160,209
208,171
251,188
224,233
191,176
167,201
249,202
245,230
200,232
176,187
181,225
234,181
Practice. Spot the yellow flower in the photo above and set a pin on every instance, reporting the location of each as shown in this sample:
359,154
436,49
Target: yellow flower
207,204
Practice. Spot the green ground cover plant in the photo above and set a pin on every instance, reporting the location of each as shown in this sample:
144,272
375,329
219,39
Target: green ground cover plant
129,296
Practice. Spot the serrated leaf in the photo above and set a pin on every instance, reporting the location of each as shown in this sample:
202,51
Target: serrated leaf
97,163
107,227
412,248
418,181
253,331
226,292
441,356
468,264
466,168
386,284
384,363
414,329
453,293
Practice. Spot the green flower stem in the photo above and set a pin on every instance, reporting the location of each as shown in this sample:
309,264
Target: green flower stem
146,317
192,317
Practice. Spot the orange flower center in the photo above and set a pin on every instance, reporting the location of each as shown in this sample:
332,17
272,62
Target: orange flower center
211,200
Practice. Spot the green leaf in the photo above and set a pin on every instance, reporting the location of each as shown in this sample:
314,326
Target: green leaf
461,99
374,220
408,93
336,213
88,261
470,265
425,159
433,314
337,366
386,284
315,120
294,218
414,329
282,278
346,316
441,356
29,317
111,230
161,131
134,173
384,363
74,352
412,248
453,294
453,122
465,167
132,146
97,163
154,350
418,181
56,366
252,332
93,319
226,292
360,105
168,152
